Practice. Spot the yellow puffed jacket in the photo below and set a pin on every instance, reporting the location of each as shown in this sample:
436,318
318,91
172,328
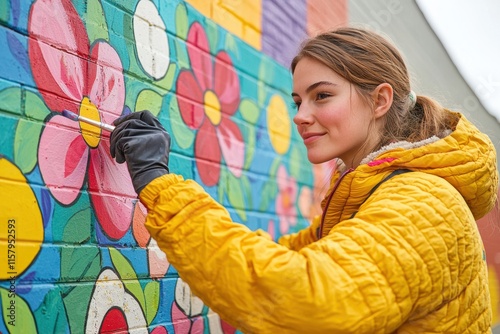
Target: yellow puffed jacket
406,258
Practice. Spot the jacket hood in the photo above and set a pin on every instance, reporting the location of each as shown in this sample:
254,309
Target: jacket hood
465,157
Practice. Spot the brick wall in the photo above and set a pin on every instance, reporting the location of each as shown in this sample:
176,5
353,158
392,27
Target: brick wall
74,255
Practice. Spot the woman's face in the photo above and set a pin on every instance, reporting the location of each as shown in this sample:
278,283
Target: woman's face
333,120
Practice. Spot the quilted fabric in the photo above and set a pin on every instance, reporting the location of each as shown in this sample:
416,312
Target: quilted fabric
410,261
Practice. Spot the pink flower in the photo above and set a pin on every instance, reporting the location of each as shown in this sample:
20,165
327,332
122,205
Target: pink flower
285,201
187,317
208,96
87,80
112,308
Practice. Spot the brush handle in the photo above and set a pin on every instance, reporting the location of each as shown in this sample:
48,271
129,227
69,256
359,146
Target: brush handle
101,125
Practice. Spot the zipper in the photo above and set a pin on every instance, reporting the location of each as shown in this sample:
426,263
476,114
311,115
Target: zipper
341,177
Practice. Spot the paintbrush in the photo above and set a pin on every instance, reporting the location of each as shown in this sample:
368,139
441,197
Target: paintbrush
75,117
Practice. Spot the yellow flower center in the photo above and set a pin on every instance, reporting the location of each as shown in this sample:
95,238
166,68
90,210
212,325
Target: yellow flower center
212,107
91,133
287,201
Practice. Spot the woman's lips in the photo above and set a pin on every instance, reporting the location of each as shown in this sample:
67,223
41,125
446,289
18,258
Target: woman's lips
311,137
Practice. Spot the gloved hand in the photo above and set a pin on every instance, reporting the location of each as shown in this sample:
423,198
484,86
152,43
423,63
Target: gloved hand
141,141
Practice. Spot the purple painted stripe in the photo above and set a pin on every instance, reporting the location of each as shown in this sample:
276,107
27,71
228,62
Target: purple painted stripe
283,28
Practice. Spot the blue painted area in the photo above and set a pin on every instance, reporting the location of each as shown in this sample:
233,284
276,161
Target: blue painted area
14,63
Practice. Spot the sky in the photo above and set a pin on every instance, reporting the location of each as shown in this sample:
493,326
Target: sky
470,32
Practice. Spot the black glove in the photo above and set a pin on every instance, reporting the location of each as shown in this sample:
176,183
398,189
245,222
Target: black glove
141,141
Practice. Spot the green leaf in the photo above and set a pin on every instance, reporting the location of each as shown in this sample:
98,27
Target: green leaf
182,134
4,11
77,229
230,46
26,144
270,189
274,167
80,263
168,80
247,188
17,315
76,303
51,315
266,74
249,147
182,55
269,192
249,111
149,100
235,196
127,275
11,100
34,107
152,298
212,31
96,21
181,21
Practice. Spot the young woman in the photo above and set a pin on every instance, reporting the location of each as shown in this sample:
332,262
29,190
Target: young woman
397,248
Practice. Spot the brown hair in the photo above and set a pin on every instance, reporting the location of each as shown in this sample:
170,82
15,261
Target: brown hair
366,60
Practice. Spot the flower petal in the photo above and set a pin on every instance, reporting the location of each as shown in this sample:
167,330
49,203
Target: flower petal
106,77
151,40
58,49
187,302
227,84
181,322
158,262
198,325
190,100
111,192
62,157
199,55
306,202
284,225
280,208
232,145
139,231
282,178
207,152
271,229
110,294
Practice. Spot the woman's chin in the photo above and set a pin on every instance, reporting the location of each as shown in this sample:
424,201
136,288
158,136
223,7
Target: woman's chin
317,159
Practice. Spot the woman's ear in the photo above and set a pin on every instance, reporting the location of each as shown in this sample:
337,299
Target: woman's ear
382,98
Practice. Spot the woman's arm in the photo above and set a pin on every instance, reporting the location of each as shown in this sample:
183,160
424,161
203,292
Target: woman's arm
299,240
358,279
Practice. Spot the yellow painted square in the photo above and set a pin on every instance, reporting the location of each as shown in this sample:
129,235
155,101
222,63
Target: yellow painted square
203,6
252,37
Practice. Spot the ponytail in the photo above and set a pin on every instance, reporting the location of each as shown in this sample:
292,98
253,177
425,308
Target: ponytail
426,119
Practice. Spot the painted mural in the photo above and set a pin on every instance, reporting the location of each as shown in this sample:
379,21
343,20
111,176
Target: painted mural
74,254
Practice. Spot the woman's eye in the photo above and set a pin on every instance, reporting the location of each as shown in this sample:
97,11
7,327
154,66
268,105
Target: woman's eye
295,104
321,96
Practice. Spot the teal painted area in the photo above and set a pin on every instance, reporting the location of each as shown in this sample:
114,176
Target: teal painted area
8,124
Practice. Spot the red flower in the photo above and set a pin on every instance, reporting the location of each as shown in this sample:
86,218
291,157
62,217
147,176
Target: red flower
208,96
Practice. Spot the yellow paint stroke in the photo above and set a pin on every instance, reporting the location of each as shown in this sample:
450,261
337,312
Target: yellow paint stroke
242,18
21,224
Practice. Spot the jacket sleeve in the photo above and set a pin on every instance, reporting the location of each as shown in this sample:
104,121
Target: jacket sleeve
299,240
334,285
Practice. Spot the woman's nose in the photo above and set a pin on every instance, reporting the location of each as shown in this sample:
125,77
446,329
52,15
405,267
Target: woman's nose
303,116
